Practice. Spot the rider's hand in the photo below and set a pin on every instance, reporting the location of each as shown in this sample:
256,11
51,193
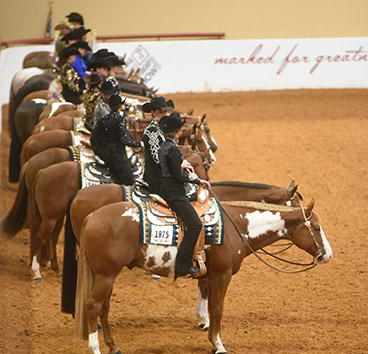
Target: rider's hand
185,165
205,183
193,175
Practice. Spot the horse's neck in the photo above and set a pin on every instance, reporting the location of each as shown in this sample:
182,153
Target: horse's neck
261,228
251,192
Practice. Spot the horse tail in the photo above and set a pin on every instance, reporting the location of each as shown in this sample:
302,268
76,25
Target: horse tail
15,220
85,282
69,281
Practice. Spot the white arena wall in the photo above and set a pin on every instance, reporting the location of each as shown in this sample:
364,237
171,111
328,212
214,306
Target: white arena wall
229,65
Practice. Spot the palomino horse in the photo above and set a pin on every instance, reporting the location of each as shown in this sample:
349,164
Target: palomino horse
110,240
92,198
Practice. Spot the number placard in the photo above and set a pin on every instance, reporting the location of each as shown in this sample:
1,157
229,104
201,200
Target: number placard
162,235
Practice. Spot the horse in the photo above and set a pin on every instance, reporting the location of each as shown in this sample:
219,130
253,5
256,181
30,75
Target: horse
25,118
110,240
88,200
41,59
21,212
63,179
43,141
44,94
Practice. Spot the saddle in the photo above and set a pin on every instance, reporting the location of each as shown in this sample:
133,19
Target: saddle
159,213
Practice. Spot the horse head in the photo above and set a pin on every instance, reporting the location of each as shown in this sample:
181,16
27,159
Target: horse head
309,236
205,128
199,143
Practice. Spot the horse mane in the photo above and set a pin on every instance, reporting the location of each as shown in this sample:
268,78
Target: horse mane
244,184
258,206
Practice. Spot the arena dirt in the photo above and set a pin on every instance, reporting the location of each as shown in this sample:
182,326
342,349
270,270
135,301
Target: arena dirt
317,137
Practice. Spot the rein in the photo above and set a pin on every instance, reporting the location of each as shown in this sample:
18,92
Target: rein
308,265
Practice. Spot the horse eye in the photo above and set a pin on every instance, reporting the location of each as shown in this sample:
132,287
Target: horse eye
316,227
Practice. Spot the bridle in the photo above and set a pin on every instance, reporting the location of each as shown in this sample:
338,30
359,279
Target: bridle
244,240
204,155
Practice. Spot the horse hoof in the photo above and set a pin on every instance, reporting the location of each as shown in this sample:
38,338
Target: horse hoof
60,275
39,279
118,352
201,325
156,277
99,328
214,351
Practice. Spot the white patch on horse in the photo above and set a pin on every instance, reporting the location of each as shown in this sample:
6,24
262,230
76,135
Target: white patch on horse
93,343
259,223
326,245
133,212
159,254
39,101
55,106
202,312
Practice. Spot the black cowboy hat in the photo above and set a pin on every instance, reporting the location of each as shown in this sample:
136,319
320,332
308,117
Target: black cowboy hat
107,88
67,52
81,31
171,123
115,100
93,79
71,35
81,44
158,103
115,61
75,17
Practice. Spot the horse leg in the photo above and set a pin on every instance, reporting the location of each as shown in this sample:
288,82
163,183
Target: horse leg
218,284
202,305
104,316
46,228
100,294
54,239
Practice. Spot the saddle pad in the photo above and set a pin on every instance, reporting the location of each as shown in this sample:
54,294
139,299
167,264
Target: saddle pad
92,174
161,228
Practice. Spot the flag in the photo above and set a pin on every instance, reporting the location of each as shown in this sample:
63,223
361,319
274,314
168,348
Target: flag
48,25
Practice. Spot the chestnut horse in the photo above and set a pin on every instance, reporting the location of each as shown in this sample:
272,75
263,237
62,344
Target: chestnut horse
110,240
92,198
49,208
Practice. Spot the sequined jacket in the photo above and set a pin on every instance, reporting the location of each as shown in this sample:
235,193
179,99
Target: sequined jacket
90,99
101,110
111,135
70,83
153,138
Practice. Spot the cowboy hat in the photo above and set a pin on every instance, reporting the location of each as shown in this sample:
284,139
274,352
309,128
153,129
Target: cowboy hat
115,100
171,123
92,79
107,88
115,61
75,17
61,25
158,103
71,35
67,52
81,44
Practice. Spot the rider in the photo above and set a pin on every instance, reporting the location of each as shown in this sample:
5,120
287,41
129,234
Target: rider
153,137
71,90
102,105
90,98
109,138
173,179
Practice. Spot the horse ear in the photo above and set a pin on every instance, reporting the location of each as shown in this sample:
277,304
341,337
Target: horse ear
203,118
194,128
308,210
190,111
291,185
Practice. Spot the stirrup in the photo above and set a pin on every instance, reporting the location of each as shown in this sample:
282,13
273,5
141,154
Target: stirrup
200,261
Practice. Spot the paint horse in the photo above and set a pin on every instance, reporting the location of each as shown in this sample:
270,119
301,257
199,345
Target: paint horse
88,200
110,240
